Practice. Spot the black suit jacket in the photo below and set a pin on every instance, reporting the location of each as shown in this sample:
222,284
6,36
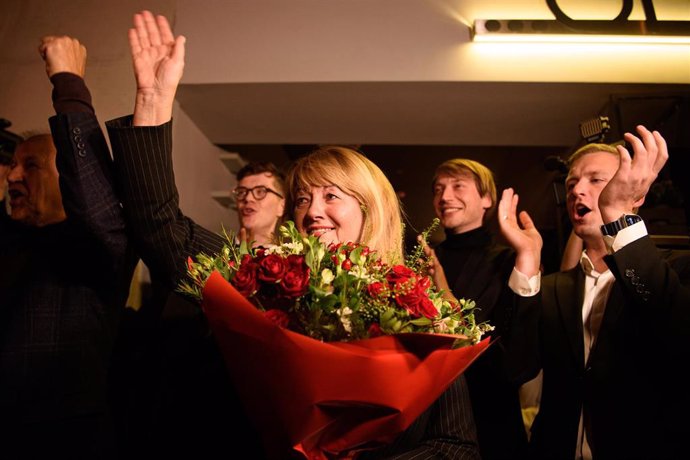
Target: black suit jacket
630,388
62,289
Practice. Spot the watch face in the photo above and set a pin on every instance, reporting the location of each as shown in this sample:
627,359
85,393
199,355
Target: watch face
632,219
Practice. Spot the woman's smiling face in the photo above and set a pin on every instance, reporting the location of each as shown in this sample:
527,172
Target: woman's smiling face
329,213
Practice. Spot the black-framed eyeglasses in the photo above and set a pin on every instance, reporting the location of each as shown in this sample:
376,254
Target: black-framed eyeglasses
259,192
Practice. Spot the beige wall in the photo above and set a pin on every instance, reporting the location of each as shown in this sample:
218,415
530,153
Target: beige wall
231,41
407,40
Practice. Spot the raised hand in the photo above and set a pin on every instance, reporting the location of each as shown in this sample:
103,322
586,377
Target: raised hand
63,54
525,240
158,60
627,188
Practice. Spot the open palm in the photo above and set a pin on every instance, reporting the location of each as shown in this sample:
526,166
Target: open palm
158,57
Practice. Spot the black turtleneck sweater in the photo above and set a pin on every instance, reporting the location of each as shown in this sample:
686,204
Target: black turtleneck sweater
477,268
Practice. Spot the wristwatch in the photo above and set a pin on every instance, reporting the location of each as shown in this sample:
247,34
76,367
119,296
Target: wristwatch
626,220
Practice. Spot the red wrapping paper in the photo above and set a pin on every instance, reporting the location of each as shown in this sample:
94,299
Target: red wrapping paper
328,399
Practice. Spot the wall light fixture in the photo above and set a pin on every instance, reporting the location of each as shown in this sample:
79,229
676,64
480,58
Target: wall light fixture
566,29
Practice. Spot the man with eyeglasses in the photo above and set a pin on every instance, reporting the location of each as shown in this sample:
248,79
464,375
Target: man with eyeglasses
260,201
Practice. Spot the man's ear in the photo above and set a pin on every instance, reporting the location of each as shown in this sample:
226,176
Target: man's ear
486,202
281,208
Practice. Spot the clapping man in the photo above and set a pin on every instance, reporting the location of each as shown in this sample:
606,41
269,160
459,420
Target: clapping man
610,334
476,267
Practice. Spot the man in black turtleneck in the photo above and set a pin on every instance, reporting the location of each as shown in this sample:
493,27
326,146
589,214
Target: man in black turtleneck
479,269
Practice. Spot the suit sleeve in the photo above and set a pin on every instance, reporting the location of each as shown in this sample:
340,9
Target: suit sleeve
164,236
521,339
85,166
657,284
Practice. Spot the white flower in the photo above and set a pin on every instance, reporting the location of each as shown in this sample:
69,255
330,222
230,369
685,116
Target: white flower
294,247
344,314
274,249
359,272
327,276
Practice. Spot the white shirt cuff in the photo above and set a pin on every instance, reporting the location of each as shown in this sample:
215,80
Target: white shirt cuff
625,236
523,286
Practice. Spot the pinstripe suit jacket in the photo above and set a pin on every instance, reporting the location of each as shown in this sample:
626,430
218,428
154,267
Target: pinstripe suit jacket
61,291
166,238
631,388
145,182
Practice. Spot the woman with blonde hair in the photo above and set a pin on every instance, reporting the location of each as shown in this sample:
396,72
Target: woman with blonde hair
334,193
342,196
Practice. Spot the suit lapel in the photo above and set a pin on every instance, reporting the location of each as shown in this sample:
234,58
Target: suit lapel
569,297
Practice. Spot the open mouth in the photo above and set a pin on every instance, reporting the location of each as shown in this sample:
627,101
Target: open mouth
581,210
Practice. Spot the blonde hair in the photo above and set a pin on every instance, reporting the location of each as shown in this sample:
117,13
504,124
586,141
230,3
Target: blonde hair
483,178
590,148
359,177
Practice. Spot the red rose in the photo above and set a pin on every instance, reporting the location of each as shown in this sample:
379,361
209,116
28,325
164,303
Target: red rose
423,284
426,308
377,289
347,264
416,301
277,317
245,280
399,274
294,261
295,283
374,331
272,268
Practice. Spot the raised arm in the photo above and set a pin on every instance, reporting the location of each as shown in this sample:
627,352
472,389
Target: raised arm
142,150
525,239
655,281
83,157
158,60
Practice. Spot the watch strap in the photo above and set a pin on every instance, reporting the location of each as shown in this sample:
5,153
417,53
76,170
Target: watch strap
626,220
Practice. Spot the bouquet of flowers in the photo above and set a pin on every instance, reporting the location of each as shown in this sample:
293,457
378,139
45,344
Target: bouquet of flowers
336,292
331,350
